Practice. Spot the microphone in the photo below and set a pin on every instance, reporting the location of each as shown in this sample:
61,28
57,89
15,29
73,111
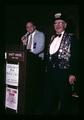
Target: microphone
26,35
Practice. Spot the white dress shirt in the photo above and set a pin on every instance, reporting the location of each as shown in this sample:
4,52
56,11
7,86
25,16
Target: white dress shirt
32,40
55,44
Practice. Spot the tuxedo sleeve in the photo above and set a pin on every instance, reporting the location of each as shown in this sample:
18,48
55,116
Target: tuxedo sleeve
74,61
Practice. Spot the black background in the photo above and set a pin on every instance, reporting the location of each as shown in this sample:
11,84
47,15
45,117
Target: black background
16,16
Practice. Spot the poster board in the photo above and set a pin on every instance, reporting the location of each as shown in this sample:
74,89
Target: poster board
12,74
11,100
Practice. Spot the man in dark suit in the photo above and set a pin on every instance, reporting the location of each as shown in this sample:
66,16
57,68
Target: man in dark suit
62,67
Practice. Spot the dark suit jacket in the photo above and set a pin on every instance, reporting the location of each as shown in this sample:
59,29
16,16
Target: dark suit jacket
74,53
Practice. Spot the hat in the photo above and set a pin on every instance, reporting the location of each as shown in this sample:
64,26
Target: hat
60,16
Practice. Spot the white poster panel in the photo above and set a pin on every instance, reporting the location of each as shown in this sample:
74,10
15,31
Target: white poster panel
11,99
12,74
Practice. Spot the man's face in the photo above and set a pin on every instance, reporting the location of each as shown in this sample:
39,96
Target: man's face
30,27
59,25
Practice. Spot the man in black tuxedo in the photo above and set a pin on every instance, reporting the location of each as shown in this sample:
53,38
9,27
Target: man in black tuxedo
62,67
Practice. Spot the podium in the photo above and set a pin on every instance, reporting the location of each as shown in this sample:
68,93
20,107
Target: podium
21,89
15,80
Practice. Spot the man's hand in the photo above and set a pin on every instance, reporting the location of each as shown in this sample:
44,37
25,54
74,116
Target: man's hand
72,79
24,40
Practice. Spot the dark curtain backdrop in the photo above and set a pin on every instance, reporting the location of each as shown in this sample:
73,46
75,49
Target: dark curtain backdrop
16,16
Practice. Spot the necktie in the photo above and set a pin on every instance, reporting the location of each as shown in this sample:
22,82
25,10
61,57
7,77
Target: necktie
30,42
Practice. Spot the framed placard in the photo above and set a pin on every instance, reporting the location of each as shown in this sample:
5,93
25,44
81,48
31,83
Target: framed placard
11,100
12,74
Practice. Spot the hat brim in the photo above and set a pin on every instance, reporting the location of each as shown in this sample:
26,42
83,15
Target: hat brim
60,19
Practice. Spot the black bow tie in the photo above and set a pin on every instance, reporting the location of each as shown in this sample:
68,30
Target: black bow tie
58,35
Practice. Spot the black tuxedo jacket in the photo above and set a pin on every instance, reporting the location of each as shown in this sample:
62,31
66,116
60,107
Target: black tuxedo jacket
68,38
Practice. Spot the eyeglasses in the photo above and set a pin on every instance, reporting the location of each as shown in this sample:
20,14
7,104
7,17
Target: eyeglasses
58,23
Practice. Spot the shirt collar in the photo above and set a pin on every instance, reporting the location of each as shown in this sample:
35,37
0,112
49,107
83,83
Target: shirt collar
62,32
33,33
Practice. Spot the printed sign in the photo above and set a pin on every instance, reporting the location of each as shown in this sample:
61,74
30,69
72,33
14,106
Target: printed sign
12,74
11,100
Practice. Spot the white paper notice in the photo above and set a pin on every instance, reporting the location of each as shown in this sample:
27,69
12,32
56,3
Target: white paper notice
11,100
12,74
